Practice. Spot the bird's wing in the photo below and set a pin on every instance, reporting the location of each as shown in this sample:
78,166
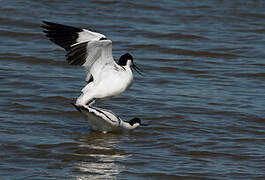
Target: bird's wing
108,117
83,47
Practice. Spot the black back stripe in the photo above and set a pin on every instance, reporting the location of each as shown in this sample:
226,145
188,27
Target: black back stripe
119,119
105,115
98,111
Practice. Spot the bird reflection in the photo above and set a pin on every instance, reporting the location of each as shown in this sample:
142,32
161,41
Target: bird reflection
100,156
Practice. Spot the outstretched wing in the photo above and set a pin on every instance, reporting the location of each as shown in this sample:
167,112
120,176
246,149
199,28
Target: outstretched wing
83,47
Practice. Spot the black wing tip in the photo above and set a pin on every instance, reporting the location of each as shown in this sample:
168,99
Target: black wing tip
46,22
49,23
66,37
77,54
45,26
62,35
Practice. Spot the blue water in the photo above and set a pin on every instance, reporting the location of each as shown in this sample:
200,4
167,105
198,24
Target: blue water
202,93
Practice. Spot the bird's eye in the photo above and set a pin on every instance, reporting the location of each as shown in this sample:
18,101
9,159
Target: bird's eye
103,38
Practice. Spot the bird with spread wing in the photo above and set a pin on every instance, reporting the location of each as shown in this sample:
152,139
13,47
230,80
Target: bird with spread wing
93,51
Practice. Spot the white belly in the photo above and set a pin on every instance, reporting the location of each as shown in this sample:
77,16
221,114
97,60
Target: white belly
113,85
111,82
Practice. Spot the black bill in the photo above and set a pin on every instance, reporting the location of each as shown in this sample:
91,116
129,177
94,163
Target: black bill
137,69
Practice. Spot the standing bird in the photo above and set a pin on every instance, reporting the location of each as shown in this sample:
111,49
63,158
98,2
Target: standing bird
93,51
106,121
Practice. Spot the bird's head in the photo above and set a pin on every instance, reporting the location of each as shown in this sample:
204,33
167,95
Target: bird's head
127,60
135,122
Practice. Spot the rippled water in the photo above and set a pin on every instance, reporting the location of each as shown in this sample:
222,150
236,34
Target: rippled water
203,93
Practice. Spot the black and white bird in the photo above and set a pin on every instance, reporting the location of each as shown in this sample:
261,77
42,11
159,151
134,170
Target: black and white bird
93,51
106,121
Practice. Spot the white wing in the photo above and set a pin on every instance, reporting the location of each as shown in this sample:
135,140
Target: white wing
106,116
86,48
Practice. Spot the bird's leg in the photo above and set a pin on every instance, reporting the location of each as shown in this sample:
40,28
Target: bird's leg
84,99
78,101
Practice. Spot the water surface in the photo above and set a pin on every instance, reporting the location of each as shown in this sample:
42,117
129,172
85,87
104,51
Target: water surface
202,94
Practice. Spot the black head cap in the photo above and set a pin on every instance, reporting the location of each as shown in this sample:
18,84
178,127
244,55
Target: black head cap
134,120
124,58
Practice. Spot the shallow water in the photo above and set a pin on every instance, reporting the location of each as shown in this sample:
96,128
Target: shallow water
202,94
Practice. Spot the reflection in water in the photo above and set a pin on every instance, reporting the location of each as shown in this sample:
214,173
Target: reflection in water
101,156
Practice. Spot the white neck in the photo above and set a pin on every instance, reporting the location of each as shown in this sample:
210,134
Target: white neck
129,63
126,125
